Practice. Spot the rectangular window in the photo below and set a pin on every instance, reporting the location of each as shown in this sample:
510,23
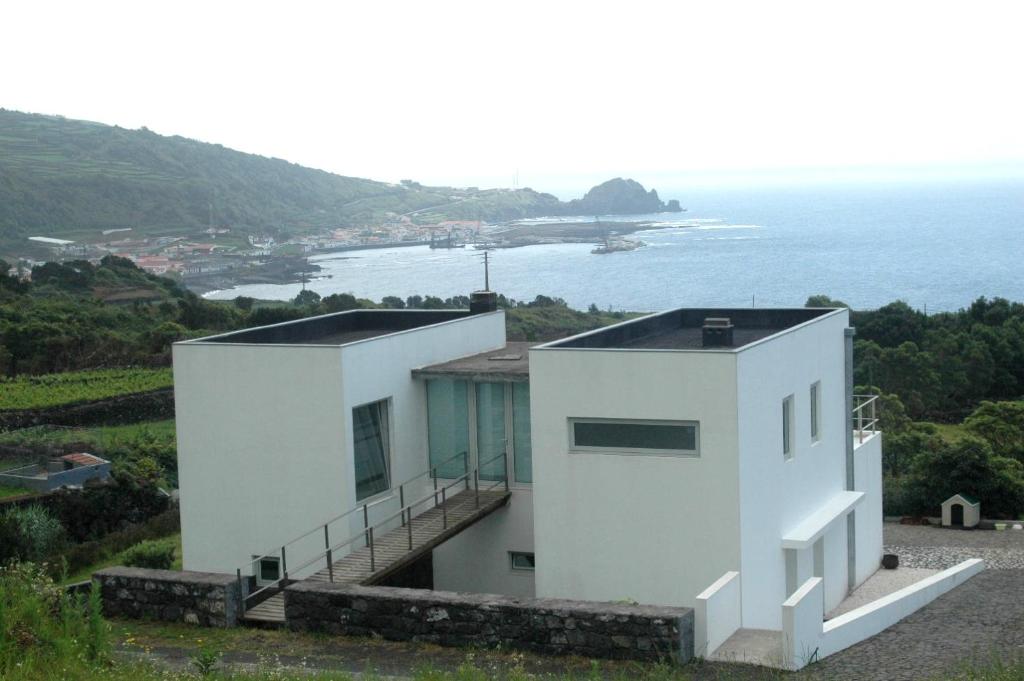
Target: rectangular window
372,451
815,411
521,561
448,426
491,440
787,427
628,436
521,432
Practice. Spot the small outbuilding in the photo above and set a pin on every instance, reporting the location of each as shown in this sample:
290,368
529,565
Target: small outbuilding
69,470
961,510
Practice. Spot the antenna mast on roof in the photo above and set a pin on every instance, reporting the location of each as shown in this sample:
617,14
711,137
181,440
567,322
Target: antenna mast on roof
487,272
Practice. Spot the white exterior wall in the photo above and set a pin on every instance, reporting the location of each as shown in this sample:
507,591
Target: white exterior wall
265,439
244,415
477,559
657,529
777,494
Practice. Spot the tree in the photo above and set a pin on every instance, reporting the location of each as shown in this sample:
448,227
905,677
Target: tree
968,467
824,301
893,325
339,302
244,303
307,298
392,302
1001,425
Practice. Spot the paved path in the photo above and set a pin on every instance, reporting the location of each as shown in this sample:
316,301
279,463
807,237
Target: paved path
937,547
976,621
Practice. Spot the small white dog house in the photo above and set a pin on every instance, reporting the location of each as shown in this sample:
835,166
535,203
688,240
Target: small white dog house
961,510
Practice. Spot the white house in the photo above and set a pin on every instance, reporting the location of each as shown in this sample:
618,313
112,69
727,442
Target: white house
641,461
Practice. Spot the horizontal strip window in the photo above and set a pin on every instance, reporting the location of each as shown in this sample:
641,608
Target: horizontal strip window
628,436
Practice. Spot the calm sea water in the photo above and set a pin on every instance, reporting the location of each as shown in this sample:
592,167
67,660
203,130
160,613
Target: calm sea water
938,245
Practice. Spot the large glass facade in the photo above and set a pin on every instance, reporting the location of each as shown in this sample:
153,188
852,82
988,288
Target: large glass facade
500,424
521,432
372,449
447,425
491,440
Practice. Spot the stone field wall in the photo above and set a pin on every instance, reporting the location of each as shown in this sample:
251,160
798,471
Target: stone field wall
210,600
548,626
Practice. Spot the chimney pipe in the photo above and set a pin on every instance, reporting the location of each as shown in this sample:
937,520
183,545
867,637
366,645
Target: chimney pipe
717,332
483,301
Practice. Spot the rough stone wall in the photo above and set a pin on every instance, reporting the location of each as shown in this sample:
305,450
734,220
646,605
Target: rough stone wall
210,600
548,626
156,404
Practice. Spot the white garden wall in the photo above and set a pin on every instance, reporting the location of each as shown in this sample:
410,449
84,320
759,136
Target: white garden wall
806,638
717,614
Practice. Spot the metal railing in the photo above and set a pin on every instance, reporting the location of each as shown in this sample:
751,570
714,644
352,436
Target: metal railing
439,496
865,416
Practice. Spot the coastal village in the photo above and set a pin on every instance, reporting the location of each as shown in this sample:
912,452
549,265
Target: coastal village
220,256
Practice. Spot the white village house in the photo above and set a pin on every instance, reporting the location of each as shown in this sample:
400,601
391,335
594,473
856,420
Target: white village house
649,460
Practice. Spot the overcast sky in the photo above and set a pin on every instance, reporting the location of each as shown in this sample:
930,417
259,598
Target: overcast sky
562,92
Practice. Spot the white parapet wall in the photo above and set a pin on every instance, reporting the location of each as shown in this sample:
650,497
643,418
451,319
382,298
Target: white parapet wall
717,614
807,639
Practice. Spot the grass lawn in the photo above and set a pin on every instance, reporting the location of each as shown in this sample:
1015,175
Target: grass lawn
950,432
99,435
118,559
161,429
11,492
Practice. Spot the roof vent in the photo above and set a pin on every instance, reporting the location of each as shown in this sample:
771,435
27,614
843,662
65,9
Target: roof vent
717,332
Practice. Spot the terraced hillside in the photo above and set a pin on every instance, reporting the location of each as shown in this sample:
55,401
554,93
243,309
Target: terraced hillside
72,179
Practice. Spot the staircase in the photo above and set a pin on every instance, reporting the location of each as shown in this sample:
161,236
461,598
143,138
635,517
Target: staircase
383,549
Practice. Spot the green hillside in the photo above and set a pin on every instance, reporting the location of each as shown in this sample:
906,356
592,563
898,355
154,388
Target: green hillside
72,179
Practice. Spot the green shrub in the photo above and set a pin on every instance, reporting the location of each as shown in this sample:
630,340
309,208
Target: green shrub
43,628
93,512
155,555
39,533
80,556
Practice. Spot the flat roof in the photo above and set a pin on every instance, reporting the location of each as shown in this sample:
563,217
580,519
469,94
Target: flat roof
338,328
508,364
682,329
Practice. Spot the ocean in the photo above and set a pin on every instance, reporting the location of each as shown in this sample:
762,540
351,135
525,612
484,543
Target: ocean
936,245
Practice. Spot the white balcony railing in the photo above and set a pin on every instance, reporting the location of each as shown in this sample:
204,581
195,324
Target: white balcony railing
865,416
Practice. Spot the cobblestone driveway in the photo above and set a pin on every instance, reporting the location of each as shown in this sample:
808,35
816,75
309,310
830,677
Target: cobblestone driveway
976,621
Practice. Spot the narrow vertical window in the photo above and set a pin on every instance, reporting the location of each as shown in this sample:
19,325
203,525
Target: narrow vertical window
815,411
491,440
448,426
521,432
371,449
787,427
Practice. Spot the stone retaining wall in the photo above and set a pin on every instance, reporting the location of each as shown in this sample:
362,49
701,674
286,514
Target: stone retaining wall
207,599
147,406
549,626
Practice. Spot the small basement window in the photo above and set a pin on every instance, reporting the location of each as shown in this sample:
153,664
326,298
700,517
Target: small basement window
629,436
268,569
520,560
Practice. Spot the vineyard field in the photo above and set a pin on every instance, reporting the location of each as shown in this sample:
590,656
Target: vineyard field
54,390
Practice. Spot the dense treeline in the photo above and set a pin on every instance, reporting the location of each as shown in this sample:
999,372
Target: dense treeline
942,366
59,322
947,367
